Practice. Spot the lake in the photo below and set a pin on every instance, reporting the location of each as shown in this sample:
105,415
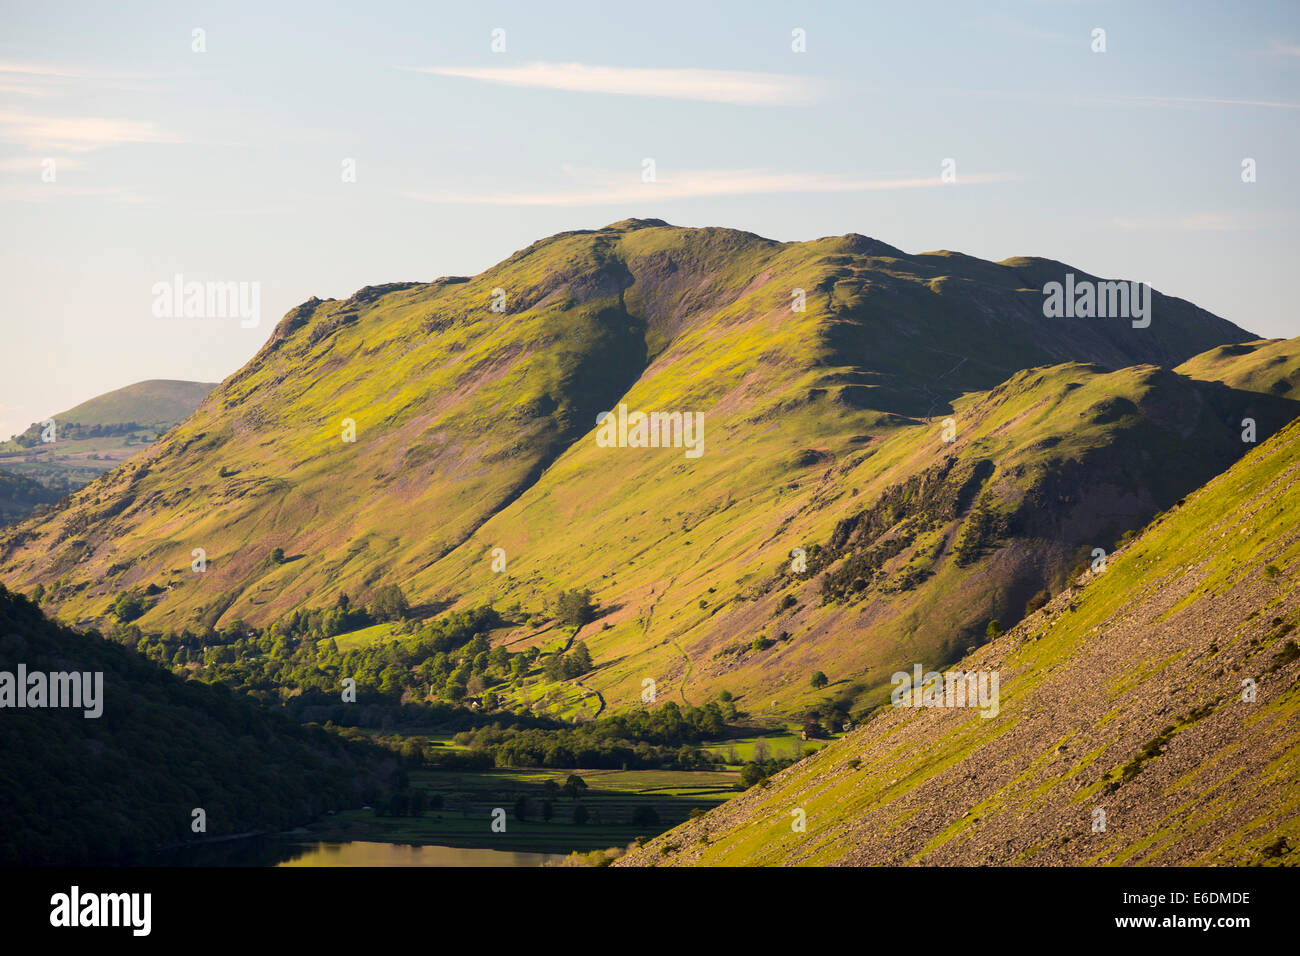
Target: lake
358,853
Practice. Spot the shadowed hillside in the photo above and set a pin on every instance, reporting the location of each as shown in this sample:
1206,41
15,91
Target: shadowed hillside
115,787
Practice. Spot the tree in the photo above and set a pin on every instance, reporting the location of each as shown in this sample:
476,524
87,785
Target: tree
521,809
645,816
574,608
579,660
389,603
993,631
819,680
574,786
580,815
277,555
555,669
548,809
751,774
128,607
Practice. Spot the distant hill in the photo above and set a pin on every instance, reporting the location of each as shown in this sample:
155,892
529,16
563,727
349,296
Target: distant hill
113,788
1149,714
1268,366
825,371
95,436
150,403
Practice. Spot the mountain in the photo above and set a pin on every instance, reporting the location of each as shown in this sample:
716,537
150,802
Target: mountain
158,402
114,787
1268,366
93,437
824,429
1163,691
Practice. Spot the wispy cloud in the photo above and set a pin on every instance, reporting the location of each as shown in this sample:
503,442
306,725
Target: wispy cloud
600,187
35,164
62,72
1206,100
76,133
716,86
1281,48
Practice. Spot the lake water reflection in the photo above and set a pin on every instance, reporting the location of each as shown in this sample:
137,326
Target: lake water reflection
358,853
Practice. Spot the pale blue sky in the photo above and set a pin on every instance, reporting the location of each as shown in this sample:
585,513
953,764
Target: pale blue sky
226,165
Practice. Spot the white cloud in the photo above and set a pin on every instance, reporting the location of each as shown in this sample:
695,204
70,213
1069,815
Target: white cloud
716,86
605,187
76,133
74,73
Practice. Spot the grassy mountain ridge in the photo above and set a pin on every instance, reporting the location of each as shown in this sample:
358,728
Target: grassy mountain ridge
474,431
1267,366
1125,694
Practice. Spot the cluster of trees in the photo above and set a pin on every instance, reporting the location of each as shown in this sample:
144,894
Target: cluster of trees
664,738
67,431
388,603
828,716
756,771
129,606
448,659
575,663
295,662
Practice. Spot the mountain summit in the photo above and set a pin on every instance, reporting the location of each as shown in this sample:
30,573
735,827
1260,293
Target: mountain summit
938,449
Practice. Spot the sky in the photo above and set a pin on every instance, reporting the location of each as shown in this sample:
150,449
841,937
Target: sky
315,148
